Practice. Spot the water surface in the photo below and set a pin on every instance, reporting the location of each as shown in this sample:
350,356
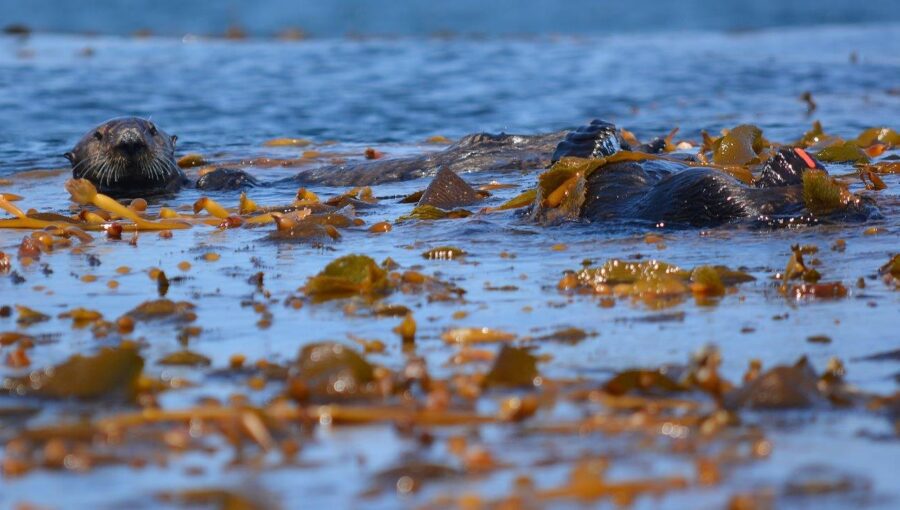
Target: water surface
224,99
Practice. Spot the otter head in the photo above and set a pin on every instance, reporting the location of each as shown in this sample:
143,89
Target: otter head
127,157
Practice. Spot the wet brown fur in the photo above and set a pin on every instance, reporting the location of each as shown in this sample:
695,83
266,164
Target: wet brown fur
127,157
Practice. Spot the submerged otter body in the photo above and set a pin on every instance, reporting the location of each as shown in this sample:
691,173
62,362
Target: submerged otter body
480,152
665,192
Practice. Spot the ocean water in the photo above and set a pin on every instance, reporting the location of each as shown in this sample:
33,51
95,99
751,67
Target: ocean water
423,18
535,67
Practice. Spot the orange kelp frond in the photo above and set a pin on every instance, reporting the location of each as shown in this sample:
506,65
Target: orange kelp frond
84,192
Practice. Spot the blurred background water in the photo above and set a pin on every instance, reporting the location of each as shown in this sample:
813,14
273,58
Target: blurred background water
426,17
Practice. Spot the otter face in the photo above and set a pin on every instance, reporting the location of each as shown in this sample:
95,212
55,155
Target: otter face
127,157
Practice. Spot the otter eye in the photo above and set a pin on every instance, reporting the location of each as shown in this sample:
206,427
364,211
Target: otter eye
98,135
152,130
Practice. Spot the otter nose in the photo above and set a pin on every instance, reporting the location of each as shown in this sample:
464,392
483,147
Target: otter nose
130,142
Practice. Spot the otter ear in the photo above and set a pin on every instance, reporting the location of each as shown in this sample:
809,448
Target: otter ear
70,156
174,139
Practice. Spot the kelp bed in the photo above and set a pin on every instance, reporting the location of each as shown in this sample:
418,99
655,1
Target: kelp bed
346,346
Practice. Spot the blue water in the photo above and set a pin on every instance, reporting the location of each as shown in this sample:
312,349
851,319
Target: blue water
647,66
424,17
222,94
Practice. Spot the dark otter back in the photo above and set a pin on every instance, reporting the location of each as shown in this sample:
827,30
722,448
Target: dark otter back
697,197
668,192
613,190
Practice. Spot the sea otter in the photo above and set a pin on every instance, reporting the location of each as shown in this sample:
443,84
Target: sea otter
675,190
127,156
131,157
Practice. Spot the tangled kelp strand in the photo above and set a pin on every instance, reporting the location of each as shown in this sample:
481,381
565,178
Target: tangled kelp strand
739,146
347,276
111,371
476,335
163,309
823,195
83,192
521,200
654,282
325,371
430,212
845,152
878,135
513,366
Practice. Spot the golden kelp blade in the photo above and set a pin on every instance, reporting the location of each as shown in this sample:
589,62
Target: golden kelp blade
83,192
